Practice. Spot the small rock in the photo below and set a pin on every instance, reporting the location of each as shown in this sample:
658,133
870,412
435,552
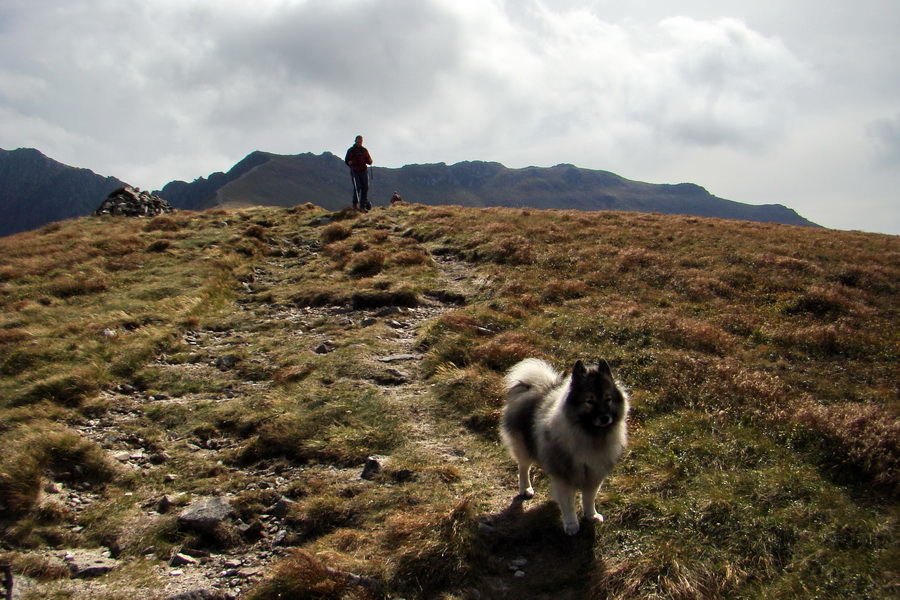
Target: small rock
397,357
183,560
253,531
404,476
280,538
487,529
159,458
122,456
205,515
195,552
392,377
325,347
163,506
202,594
89,563
374,465
281,508
226,362
368,322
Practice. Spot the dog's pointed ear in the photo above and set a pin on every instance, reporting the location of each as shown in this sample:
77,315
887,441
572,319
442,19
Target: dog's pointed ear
603,367
578,371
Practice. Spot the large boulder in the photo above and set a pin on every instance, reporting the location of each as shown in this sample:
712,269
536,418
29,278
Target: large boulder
132,202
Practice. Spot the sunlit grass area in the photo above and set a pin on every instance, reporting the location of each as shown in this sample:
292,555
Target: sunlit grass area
762,360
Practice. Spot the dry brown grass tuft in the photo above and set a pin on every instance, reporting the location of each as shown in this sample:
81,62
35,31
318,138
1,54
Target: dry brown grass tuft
475,392
36,450
366,263
558,290
159,246
335,233
863,439
410,257
676,577
13,335
292,374
37,567
431,551
68,389
506,349
162,223
825,301
303,575
833,339
510,250
256,231
687,333
81,284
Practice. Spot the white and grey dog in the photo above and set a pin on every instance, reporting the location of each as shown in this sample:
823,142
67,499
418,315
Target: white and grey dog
573,427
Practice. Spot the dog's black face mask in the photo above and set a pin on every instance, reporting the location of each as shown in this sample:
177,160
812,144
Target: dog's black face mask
594,401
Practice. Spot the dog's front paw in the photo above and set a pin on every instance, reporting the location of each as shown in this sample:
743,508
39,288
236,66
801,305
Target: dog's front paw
571,527
596,517
527,493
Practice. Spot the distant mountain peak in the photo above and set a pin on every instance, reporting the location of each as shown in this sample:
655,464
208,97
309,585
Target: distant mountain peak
35,190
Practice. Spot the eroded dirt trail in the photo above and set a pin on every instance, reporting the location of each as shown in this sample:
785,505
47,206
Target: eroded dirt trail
125,431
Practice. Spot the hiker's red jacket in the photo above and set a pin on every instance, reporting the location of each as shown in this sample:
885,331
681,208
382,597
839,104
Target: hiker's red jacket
357,158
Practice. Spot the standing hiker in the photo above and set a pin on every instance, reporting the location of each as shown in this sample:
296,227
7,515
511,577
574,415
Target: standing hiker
358,160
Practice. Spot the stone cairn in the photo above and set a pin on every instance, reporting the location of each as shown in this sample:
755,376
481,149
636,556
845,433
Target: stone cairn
132,202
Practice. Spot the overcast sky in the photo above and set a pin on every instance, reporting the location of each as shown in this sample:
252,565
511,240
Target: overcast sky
794,102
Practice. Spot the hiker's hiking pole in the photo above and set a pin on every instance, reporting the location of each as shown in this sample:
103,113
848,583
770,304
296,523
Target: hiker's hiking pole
371,186
355,189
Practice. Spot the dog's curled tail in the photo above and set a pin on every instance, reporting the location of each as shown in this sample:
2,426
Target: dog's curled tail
531,374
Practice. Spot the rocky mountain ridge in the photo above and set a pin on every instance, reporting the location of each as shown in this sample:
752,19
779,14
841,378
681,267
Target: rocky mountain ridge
36,190
286,180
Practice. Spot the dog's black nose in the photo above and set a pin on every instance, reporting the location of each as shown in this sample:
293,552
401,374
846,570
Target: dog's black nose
603,421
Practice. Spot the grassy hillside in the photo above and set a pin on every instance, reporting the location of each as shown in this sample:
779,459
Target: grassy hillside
264,354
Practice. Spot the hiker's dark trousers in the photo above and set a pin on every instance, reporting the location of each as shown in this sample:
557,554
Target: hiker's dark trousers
361,187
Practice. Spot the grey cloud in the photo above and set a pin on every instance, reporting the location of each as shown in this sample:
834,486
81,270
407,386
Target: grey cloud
726,84
885,134
365,52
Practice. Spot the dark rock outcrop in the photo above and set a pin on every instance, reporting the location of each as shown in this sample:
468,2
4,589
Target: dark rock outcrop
132,202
